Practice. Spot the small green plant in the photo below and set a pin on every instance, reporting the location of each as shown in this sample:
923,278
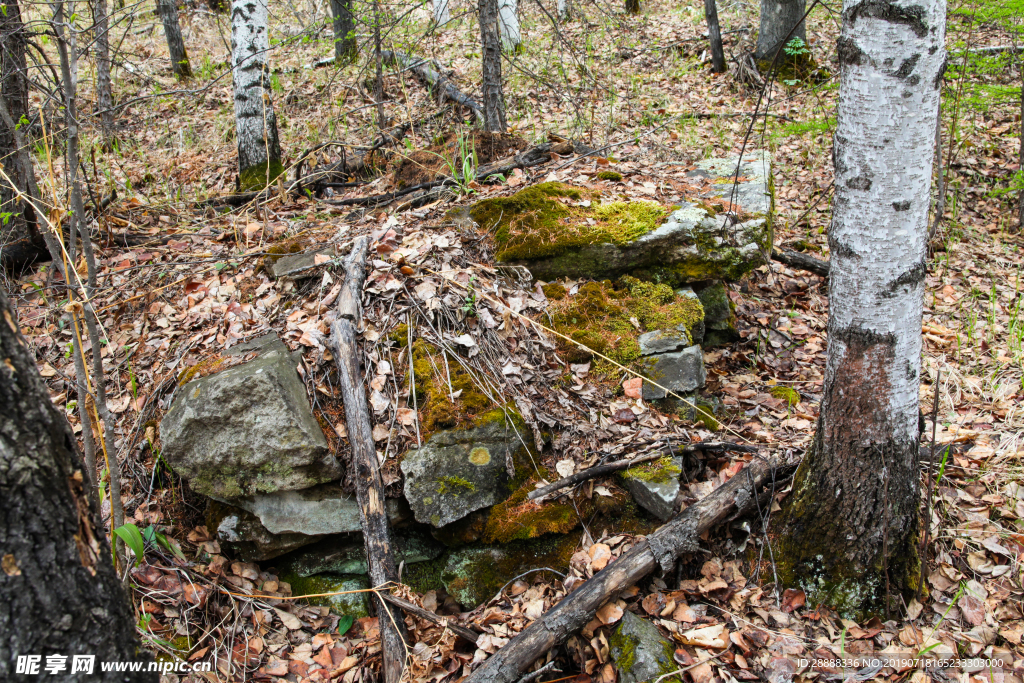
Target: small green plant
469,301
137,540
796,47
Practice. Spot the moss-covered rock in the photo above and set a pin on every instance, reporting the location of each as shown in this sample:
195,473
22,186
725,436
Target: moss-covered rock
519,518
788,394
600,316
655,485
640,652
557,230
474,574
459,471
438,377
346,554
719,314
355,603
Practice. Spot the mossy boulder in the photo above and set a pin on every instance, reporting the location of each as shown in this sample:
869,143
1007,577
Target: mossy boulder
601,315
354,604
557,230
474,574
459,471
640,652
246,430
347,554
519,518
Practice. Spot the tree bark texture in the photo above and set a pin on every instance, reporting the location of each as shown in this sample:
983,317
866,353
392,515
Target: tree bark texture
104,90
564,9
632,6
508,25
442,12
168,11
366,469
59,594
259,151
778,19
21,242
678,537
494,99
714,36
848,533
346,47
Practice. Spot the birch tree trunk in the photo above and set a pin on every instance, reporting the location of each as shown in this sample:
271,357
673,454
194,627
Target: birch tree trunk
104,95
442,12
494,99
59,591
259,151
778,19
564,10
346,48
21,242
848,531
168,11
508,25
714,36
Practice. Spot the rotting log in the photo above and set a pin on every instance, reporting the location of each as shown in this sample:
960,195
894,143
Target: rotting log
795,259
608,468
424,70
365,467
661,549
460,631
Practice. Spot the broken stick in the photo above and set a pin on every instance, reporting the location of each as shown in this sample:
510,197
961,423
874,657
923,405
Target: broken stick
794,259
662,548
608,468
366,471
434,79
460,631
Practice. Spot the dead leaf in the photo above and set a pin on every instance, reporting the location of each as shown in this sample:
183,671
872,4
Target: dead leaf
793,598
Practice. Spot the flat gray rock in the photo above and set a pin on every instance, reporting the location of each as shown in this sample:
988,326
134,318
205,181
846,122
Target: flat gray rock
298,266
459,471
247,430
663,341
641,654
244,535
347,554
654,488
316,511
681,372
692,245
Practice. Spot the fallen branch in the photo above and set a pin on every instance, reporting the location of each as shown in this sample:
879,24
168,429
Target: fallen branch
608,468
531,157
460,631
661,549
366,470
795,259
426,72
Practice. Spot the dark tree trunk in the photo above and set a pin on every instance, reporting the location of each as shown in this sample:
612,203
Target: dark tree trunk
494,99
59,594
778,19
21,242
104,91
848,533
168,11
714,36
632,6
1020,161
346,48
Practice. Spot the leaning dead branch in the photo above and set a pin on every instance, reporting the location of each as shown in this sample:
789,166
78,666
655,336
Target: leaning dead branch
460,631
661,549
366,469
434,79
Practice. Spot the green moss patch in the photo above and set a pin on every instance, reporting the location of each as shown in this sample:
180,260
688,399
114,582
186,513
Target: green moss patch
255,177
600,316
788,394
549,219
470,408
519,518
609,175
660,471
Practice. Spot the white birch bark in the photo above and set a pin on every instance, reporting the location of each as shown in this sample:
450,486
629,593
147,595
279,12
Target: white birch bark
564,10
442,12
259,152
848,531
892,59
508,24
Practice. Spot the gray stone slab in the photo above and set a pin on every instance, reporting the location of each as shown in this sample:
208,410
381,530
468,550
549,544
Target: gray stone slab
641,654
654,490
297,266
680,372
663,341
247,429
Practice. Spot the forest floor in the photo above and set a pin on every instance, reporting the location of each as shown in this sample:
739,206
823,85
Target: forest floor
198,287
